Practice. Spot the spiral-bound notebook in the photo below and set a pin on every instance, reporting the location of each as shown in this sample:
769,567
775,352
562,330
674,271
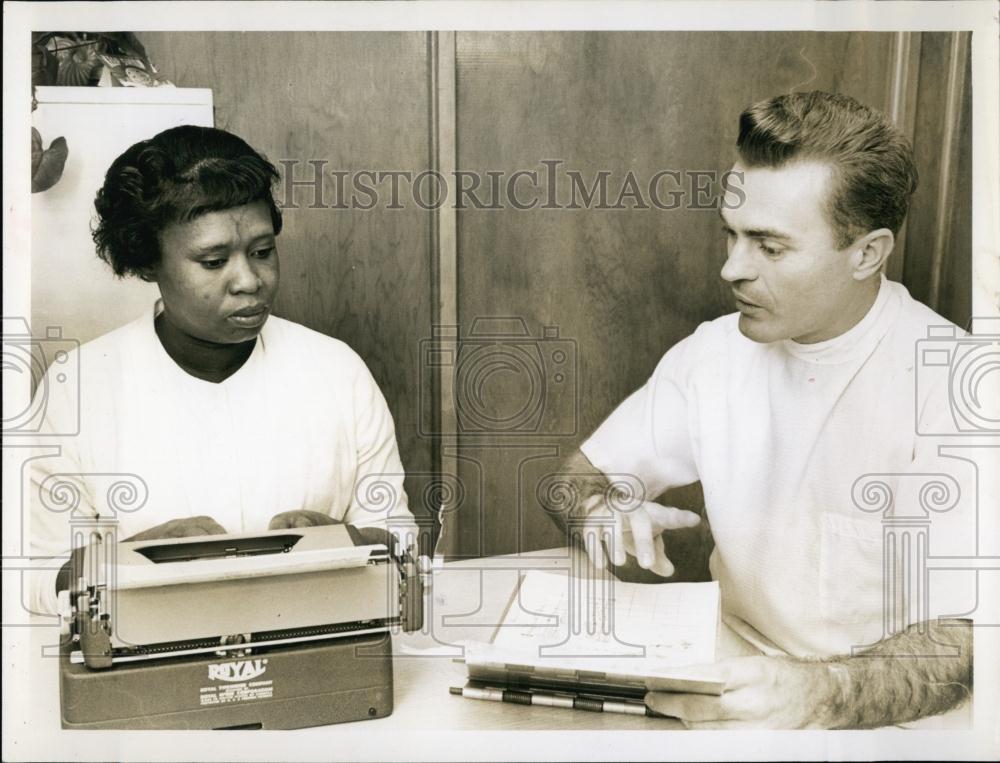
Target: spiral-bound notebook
608,636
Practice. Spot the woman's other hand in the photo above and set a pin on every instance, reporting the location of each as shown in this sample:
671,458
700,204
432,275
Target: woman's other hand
300,518
186,527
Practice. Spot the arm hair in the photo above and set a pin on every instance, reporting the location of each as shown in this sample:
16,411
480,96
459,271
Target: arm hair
923,670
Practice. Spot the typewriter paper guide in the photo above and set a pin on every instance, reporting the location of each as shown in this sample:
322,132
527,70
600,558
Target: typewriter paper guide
186,589
653,633
229,557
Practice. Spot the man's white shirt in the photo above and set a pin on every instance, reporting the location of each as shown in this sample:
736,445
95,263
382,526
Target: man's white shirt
791,443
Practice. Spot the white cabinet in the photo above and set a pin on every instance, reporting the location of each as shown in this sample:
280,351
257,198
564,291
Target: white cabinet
70,287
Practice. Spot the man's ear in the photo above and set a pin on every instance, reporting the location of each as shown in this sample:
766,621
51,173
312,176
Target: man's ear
869,253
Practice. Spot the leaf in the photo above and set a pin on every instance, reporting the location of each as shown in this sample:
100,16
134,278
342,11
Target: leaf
44,66
36,150
77,68
50,168
125,44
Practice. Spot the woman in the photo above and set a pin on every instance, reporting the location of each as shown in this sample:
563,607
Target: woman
220,416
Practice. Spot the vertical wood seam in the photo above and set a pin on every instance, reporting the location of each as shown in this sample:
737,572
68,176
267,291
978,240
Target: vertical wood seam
434,392
444,241
957,52
902,102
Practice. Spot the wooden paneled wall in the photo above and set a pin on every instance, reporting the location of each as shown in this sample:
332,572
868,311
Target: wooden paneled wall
938,263
601,294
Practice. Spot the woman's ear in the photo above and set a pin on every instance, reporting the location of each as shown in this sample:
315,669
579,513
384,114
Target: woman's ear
870,252
147,274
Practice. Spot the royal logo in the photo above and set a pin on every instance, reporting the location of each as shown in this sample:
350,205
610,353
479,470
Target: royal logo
238,670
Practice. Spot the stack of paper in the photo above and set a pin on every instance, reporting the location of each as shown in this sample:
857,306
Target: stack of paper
600,629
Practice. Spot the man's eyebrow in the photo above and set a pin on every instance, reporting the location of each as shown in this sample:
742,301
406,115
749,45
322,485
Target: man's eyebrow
756,232
767,233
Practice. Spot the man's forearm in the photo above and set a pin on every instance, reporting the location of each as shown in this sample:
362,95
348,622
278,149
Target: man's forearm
921,671
571,497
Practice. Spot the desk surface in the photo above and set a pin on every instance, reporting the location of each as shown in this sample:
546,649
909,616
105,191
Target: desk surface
467,599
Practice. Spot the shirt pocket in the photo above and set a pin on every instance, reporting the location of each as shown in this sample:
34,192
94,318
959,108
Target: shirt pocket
850,568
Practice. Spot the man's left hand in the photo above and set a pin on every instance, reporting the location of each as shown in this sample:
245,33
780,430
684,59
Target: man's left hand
761,692
301,518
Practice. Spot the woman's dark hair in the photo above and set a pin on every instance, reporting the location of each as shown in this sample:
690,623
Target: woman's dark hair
176,176
872,160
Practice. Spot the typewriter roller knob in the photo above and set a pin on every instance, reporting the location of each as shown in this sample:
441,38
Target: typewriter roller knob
94,628
424,569
417,580
64,606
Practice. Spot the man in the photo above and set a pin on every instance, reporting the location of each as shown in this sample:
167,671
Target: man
778,410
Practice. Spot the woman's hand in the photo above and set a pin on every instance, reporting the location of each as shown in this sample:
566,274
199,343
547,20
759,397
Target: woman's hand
301,518
186,527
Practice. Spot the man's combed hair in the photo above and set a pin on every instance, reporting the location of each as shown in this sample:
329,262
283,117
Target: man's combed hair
176,176
872,160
